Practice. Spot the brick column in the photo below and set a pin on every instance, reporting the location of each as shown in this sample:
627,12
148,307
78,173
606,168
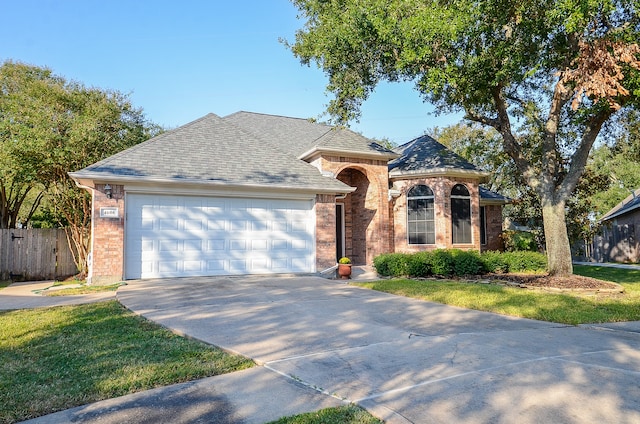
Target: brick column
325,231
107,236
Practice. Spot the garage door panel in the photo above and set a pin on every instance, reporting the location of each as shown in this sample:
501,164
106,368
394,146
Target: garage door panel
170,236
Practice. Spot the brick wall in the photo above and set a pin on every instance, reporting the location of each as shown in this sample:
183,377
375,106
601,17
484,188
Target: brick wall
366,210
108,237
493,218
441,187
325,231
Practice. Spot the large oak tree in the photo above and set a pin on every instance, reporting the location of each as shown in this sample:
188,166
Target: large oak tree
546,74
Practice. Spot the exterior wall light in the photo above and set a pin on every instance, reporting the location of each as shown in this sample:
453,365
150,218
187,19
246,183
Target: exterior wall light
107,191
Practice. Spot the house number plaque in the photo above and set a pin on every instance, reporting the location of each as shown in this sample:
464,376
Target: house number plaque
109,213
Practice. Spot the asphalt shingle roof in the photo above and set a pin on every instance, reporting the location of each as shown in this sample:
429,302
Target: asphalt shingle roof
213,150
492,197
302,135
629,204
426,155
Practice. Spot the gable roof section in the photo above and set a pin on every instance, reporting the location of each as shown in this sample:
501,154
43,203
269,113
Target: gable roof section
424,156
303,138
631,203
213,151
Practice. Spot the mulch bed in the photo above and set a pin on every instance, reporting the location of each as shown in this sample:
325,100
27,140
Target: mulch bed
547,282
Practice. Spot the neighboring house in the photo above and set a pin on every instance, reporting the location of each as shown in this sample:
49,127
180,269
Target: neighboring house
618,241
254,194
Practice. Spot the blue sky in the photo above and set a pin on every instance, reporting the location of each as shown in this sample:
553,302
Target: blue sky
180,60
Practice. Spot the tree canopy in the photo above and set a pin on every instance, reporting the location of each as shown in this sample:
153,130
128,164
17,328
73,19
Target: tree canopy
546,75
48,127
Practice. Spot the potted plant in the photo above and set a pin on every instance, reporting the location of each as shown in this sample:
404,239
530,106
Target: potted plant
344,268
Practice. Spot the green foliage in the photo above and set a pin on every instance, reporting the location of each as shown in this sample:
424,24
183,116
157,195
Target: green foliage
522,261
392,264
616,162
49,127
441,261
455,262
467,262
348,414
344,260
519,240
419,264
494,262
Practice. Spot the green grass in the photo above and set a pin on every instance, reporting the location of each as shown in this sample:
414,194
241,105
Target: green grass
349,414
553,307
630,278
56,358
83,289
4,283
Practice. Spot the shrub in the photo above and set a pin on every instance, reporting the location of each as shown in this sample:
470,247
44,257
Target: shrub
457,262
441,262
419,264
519,241
525,261
466,262
495,262
392,264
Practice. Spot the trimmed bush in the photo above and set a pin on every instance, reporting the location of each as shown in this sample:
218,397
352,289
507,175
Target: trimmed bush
419,264
455,262
392,264
526,261
441,262
466,262
494,262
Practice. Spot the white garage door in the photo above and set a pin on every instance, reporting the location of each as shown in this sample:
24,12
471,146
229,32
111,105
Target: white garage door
176,236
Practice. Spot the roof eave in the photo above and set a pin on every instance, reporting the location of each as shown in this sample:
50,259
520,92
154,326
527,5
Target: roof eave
497,202
620,212
482,176
348,153
88,180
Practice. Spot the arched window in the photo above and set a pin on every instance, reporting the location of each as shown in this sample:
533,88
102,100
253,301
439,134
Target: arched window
460,215
421,227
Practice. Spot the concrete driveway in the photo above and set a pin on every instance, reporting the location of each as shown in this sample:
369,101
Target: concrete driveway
406,360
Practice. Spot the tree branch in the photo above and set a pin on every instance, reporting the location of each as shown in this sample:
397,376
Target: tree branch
561,95
509,142
580,157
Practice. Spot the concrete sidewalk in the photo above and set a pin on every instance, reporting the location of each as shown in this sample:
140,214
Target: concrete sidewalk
610,265
27,295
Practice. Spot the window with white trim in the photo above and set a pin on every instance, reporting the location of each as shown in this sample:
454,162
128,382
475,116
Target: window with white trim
421,228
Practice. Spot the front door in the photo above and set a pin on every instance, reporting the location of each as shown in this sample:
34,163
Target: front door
339,231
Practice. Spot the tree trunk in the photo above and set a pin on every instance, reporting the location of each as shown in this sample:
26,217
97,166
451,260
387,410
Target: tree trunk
556,238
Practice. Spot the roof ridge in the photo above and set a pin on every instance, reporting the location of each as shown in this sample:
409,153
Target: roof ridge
309,120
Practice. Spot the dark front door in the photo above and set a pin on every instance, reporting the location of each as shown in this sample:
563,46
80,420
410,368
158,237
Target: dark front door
339,231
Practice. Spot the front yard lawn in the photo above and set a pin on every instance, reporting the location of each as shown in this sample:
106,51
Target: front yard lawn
348,414
565,308
57,358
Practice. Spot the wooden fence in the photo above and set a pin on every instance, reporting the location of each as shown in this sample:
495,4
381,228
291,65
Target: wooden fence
35,254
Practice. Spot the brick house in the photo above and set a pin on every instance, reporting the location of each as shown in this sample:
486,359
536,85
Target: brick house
253,194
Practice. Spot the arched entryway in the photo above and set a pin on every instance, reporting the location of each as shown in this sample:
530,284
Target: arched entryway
355,216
